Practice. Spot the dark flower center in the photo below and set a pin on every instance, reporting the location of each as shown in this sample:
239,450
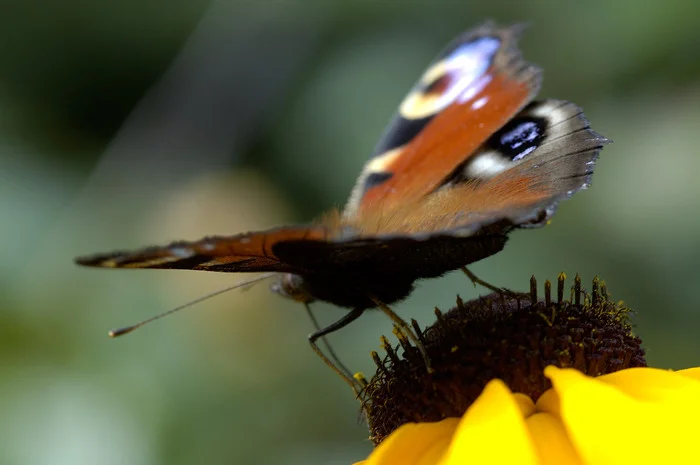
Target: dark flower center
512,338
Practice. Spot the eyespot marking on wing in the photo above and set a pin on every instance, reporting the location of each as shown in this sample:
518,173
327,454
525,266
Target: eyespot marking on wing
519,137
459,74
512,143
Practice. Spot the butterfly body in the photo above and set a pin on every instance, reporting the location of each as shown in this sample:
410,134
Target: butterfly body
385,269
468,157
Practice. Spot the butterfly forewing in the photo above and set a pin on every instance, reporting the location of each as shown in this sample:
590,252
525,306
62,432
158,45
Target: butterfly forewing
244,252
470,91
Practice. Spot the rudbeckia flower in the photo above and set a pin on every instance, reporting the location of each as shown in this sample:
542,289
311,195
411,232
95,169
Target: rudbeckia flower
635,416
528,381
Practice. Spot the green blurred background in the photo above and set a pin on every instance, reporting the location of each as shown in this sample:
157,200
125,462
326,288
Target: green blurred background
149,121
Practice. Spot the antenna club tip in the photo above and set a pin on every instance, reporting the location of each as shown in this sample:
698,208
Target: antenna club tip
121,331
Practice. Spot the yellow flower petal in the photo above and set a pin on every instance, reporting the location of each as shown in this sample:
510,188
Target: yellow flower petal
549,403
551,440
653,384
493,430
606,424
527,406
691,373
415,444
640,415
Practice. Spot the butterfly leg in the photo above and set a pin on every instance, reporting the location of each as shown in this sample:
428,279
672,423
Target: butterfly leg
321,333
500,290
333,357
407,330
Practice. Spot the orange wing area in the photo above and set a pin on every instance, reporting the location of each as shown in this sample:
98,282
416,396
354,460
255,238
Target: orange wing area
471,204
249,252
447,141
524,193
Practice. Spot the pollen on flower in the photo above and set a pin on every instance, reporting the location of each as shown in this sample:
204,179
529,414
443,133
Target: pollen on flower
512,338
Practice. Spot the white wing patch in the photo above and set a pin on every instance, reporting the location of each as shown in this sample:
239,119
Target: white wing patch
487,165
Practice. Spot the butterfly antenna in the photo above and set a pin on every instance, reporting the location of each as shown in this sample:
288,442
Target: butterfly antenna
244,285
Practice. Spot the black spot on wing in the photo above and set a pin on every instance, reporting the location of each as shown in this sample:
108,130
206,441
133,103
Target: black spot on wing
375,179
438,85
519,137
400,132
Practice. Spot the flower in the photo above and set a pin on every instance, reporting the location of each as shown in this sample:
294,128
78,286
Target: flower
636,416
497,337
520,380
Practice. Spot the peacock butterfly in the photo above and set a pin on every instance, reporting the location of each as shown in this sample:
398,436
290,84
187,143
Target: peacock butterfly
468,157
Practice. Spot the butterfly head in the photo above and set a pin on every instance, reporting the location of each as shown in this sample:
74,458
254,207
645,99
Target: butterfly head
291,286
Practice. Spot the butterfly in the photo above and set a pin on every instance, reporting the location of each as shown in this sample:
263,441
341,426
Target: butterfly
468,157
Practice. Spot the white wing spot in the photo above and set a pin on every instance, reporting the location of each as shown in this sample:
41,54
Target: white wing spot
524,153
383,162
480,103
181,252
208,246
487,165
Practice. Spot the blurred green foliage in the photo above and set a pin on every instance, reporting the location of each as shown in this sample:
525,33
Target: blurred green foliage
126,123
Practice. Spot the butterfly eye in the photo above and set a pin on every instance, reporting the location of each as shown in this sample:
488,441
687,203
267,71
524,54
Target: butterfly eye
292,287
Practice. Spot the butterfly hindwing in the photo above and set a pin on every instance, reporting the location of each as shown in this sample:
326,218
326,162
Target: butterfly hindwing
542,156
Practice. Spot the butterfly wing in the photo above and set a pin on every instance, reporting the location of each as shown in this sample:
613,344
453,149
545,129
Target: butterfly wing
542,156
474,87
390,257
465,161
249,252
516,179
